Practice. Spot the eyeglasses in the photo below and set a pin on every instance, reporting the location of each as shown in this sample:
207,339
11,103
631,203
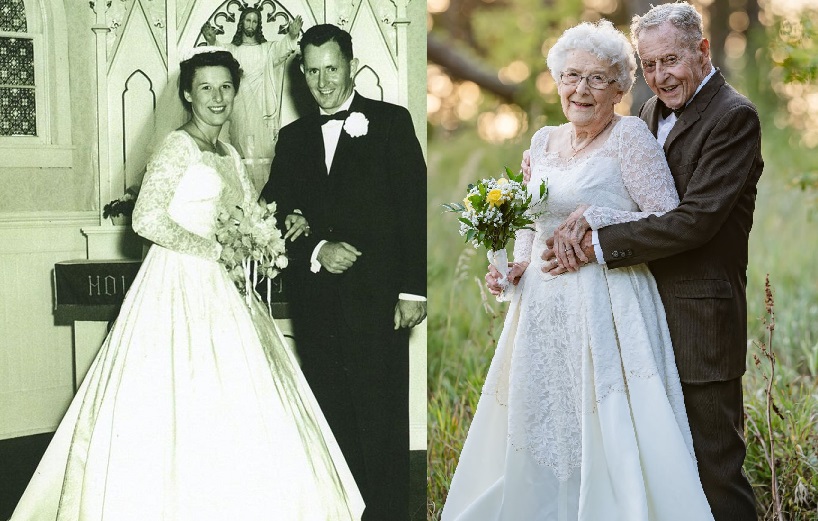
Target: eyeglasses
595,81
668,61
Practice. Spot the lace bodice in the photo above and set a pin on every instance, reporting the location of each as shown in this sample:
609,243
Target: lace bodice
182,193
626,179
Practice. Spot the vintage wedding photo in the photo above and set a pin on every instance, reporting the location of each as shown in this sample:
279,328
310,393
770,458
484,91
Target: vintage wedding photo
213,260
622,230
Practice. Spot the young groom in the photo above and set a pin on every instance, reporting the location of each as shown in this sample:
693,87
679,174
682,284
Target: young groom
356,172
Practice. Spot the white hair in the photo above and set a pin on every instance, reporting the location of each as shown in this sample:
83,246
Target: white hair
602,40
681,15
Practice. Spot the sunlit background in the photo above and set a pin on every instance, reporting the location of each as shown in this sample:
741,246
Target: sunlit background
487,71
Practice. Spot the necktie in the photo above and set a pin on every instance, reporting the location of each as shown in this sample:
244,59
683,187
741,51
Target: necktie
340,115
667,110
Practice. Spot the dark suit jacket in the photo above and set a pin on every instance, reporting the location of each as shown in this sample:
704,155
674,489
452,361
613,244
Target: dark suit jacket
373,198
698,251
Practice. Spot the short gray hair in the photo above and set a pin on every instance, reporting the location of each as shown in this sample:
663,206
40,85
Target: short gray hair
601,39
681,15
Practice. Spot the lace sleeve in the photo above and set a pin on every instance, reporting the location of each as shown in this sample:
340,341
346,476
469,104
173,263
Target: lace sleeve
251,194
524,239
646,177
150,217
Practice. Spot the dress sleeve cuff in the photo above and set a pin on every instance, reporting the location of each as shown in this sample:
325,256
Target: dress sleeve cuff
411,296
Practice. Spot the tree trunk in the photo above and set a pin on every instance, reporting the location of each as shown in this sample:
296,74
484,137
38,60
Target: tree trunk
641,92
719,29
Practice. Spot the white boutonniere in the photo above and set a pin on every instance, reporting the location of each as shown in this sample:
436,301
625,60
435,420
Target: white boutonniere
356,125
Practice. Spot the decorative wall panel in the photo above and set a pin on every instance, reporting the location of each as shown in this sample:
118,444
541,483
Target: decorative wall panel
18,107
13,16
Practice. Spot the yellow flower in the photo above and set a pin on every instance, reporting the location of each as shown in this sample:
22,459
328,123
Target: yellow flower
502,181
495,197
467,203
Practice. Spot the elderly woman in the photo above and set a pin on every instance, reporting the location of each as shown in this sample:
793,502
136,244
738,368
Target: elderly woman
582,415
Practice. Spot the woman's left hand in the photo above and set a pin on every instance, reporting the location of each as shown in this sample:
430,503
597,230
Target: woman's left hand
568,239
296,225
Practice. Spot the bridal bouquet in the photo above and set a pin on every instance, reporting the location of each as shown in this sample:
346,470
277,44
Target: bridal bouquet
252,246
493,211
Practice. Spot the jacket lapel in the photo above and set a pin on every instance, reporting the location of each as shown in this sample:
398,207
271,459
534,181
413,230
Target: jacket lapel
345,151
650,115
693,112
314,145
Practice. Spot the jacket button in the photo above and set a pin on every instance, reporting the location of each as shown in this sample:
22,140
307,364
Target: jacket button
629,252
615,254
331,229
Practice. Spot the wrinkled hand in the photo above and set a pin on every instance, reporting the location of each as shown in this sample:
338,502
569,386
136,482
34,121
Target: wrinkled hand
409,313
567,238
515,272
209,33
337,257
525,166
294,29
553,265
296,225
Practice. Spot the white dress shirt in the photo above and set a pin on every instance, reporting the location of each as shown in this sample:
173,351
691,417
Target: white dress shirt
332,131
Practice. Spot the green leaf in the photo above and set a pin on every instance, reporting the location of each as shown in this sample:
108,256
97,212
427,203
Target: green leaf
518,177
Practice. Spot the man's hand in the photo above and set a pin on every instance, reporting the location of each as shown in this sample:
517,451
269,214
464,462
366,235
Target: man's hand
209,33
567,238
294,29
296,225
409,313
525,166
337,257
515,272
553,265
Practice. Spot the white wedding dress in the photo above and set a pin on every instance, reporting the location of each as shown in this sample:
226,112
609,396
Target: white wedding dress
195,408
582,415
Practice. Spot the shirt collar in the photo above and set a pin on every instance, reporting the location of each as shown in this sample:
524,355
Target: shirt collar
344,106
702,84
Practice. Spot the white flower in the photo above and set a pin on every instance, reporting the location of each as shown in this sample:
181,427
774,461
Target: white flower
281,262
356,124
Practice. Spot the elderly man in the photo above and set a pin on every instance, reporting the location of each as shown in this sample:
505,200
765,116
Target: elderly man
698,252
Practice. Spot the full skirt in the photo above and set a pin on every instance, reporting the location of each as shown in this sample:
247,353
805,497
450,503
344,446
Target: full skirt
194,409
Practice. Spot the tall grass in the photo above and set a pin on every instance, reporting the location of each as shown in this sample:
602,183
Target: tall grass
465,324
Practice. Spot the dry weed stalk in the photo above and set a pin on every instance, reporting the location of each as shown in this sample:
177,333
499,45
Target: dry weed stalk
766,349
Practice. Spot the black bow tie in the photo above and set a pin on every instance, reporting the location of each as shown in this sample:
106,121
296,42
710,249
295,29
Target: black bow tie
667,110
340,115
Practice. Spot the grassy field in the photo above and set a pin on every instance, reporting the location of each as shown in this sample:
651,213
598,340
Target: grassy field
464,323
